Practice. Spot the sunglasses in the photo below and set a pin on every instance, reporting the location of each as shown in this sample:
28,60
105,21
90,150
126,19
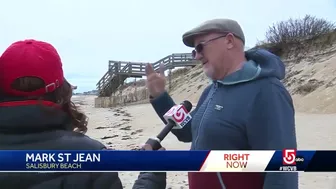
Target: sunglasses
199,48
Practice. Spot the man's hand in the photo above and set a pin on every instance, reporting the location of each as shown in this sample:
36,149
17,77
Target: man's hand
148,147
155,81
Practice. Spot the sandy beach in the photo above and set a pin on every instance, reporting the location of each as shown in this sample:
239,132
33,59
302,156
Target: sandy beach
129,126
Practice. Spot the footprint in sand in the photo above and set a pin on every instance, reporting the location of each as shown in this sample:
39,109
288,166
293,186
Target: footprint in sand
107,137
137,131
127,115
111,127
126,128
110,146
126,137
102,128
135,148
118,110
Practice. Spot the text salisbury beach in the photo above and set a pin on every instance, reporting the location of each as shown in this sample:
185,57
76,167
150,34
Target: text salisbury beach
59,160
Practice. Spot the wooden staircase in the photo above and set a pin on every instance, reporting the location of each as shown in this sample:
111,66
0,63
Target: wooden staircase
119,71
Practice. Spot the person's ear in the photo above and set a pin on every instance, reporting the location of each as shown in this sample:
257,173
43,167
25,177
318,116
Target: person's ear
230,41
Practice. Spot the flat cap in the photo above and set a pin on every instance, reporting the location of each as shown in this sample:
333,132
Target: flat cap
215,25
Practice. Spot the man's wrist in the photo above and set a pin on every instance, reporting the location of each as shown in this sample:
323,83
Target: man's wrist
152,97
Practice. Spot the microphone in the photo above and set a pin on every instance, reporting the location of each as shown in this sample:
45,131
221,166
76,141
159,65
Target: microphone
177,117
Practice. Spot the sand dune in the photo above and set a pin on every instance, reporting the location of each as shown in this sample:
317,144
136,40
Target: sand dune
310,78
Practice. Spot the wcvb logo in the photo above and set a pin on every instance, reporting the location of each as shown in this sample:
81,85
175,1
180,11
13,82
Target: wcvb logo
180,114
288,157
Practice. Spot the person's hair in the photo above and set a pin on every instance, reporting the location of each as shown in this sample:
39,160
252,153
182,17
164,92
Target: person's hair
61,96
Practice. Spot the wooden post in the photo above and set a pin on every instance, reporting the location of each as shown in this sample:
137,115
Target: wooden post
120,91
110,89
135,90
130,67
170,77
116,67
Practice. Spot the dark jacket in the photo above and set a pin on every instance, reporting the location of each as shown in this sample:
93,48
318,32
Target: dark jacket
32,127
247,110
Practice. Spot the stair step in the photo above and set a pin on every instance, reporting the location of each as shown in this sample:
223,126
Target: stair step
134,69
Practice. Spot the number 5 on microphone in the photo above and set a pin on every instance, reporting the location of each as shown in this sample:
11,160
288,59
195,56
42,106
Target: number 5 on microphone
179,115
182,116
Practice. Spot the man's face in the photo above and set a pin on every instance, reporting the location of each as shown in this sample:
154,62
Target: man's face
213,54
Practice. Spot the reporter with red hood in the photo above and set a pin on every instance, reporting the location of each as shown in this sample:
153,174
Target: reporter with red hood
37,114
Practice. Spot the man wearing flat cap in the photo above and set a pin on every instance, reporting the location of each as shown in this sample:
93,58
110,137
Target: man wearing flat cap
246,107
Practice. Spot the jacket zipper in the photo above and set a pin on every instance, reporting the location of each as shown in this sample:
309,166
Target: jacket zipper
206,108
220,179
201,123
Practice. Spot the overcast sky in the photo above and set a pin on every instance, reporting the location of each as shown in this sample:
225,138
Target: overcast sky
88,33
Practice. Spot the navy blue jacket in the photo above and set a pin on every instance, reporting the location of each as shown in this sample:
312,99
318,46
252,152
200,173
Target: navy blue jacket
34,127
247,110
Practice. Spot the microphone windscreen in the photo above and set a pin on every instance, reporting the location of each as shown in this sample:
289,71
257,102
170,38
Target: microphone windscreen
187,105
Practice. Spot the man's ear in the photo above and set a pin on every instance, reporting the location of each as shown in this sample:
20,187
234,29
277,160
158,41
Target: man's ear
230,40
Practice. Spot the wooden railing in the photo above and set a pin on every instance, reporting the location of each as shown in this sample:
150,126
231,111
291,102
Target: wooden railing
137,69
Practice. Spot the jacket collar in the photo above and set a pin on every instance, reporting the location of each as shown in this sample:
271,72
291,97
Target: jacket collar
260,63
32,116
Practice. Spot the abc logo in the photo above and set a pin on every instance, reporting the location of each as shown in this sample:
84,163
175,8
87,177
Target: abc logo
289,157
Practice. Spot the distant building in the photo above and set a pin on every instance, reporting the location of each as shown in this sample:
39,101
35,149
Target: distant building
93,92
73,87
